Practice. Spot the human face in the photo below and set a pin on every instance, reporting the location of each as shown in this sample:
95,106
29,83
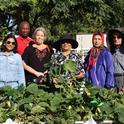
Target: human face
24,29
66,46
10,44
39,37
117,40
97,41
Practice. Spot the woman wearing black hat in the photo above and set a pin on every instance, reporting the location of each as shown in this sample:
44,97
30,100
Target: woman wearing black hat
116,44
64,53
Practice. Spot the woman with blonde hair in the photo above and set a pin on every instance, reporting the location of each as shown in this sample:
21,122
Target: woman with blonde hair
36,56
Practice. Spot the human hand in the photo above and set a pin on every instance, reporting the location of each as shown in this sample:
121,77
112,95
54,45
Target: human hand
45,73
39,74
79,76
55,80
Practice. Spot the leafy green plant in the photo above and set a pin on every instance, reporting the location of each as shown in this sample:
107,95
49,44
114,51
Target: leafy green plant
63,104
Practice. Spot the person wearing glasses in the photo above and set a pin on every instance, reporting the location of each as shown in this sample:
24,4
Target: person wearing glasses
116,45
65,47
11,65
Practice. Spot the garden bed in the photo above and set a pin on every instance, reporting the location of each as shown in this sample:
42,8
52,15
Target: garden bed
34,105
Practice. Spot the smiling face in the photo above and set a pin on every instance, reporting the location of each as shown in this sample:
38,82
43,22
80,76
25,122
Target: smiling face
97,41
66,46
24,29
39,37
10,44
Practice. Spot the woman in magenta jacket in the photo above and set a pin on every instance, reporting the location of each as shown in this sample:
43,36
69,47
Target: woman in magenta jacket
98,63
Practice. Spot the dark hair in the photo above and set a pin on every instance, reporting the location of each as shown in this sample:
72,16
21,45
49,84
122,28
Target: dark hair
3,46
116,33
111,34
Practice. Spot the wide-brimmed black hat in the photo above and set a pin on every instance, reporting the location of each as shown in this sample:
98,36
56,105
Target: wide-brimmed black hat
68,38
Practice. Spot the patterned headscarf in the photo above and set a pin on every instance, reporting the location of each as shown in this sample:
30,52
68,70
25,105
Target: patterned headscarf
95,52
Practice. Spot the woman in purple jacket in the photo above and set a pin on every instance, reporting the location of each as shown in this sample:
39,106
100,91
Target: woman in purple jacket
98,63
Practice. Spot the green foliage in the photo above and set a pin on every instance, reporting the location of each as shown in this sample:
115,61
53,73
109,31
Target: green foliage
63,104
32,104
70,66
62,16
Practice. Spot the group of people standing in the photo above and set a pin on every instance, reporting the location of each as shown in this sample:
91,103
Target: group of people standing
104,67
22,58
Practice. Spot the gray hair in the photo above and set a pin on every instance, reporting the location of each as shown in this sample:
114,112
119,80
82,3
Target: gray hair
40,29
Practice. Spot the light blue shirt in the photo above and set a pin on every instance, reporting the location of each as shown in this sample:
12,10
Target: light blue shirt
11,70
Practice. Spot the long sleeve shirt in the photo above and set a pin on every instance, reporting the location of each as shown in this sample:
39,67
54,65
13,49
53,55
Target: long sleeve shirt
102,72
118,58
11,70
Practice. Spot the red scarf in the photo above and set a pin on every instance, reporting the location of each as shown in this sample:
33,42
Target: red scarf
94,54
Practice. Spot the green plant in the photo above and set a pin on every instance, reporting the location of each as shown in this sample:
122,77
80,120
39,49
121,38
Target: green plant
63,104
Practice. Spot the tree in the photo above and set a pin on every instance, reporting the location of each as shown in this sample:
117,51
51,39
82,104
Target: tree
62,16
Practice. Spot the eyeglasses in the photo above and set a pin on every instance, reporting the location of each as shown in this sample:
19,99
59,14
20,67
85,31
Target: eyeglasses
9,42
